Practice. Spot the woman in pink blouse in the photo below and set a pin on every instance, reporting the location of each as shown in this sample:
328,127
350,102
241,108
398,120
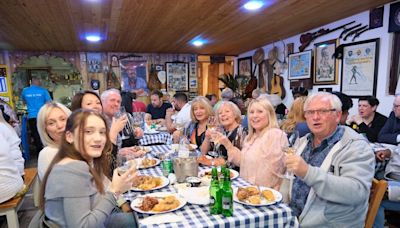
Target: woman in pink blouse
261,159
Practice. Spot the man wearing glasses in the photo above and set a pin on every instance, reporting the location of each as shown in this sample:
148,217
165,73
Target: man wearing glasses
334,167
390,132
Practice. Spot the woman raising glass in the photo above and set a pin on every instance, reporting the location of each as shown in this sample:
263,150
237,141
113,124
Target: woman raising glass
82,199
232,135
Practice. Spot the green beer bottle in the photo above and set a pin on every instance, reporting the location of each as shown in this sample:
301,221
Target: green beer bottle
215,193
227,195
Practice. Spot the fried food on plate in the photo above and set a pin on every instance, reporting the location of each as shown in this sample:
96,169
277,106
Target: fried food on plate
253,190
268,195
166,204
146,182
255,199
242,194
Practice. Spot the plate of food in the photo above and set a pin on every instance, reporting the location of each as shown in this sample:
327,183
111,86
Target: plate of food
256,196
143,183
207,173
145,162
151,131
158,203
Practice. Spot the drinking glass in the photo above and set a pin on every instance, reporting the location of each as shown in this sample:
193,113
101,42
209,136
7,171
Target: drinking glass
125,162
216,152
120,112
290,149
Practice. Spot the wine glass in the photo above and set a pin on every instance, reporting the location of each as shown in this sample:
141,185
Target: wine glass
211,126
290,149
121,112
124,163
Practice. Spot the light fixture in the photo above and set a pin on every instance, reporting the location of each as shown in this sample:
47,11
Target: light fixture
198,41
253,5
93,38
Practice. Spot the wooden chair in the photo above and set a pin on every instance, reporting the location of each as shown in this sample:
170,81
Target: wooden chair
378,190
11,207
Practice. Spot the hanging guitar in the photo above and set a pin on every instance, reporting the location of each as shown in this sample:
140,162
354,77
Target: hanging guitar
277,86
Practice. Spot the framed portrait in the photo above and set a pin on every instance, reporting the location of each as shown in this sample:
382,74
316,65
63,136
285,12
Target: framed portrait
360,68
134,76
177,76
244,66
300,64
325,65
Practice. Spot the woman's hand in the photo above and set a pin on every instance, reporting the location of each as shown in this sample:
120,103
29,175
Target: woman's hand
121,184
116,126
220,139
176,136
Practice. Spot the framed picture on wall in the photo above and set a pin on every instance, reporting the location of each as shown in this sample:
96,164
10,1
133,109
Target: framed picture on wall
360,68
134,76
244,66
325,66
177,76
300,65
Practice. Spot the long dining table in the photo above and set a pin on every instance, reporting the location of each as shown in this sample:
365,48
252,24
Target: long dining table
276,215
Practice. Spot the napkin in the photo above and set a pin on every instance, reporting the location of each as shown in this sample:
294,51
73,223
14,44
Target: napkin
196,195
162,218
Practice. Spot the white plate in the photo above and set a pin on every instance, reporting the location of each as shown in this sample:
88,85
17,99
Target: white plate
138,201
139,163
151,132
264,202
234,172
146,149
164,182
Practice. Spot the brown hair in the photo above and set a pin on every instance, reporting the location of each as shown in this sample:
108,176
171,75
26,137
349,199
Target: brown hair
100,166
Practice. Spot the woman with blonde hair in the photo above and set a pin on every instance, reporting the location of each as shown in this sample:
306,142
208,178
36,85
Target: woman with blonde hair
261,157
51,121
200,111
295,115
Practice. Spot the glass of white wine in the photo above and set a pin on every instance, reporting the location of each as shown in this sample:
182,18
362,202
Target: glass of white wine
293,141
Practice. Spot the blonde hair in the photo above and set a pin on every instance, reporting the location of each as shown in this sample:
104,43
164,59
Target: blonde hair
234,108
266,105
203,102
295,115
43,114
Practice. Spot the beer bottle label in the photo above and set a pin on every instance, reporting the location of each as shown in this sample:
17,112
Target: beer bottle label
226,203
212,201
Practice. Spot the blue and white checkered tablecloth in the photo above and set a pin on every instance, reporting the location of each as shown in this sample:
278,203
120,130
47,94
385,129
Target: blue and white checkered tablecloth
160,138
278,215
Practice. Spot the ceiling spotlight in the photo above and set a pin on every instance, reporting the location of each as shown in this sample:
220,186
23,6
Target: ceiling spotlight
253,5
198,43
93,38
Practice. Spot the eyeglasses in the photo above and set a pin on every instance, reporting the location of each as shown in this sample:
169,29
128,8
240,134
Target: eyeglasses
320,112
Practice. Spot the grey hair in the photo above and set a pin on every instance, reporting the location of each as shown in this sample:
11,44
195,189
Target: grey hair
333,100
104,95
235,109
227,94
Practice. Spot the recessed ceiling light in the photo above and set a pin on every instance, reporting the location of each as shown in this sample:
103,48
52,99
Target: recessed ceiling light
93,38
253,5
198,43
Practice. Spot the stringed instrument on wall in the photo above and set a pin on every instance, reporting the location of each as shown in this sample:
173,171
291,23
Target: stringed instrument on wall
277,86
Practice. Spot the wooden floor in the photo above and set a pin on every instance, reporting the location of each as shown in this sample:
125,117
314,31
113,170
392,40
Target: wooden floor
27,210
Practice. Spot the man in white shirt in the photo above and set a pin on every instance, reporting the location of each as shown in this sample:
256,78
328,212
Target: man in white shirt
180,117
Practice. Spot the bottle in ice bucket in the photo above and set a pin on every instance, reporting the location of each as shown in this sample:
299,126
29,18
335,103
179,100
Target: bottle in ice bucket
215,193
227,194
166,165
